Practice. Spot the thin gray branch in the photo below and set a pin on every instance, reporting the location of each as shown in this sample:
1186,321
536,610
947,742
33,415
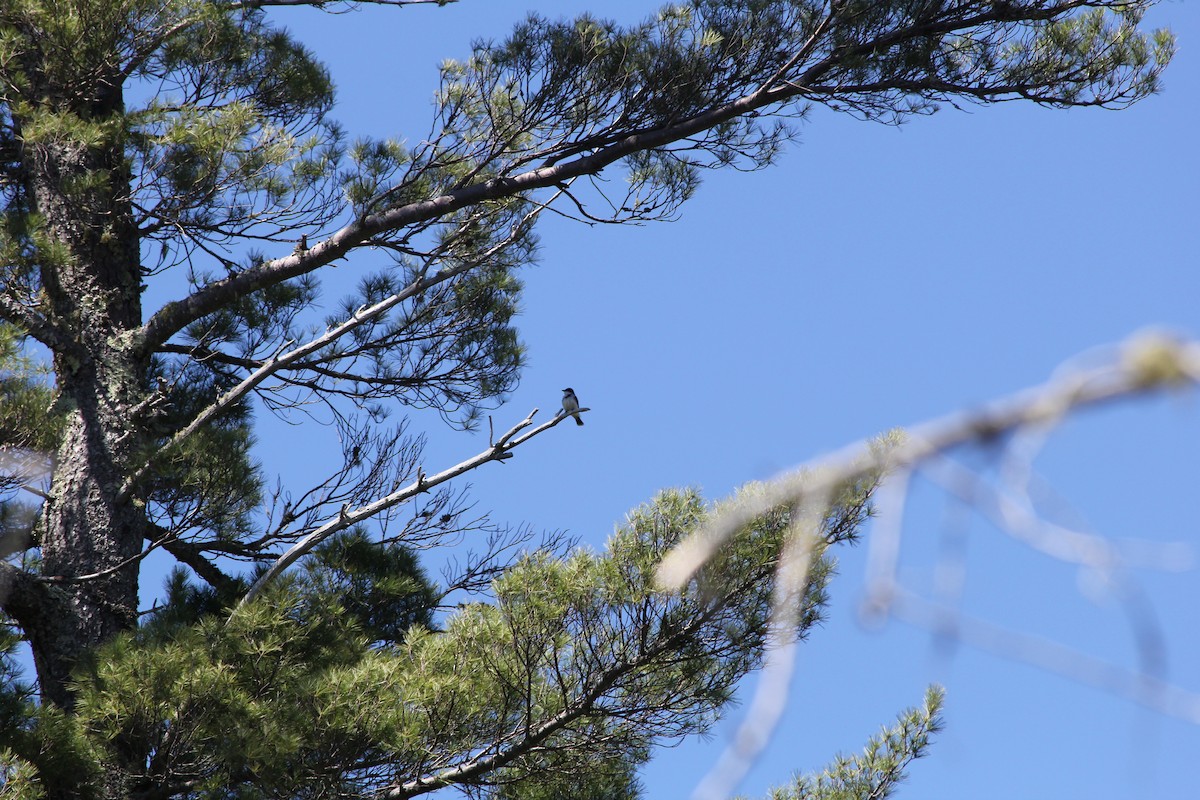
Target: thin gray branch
1147,363
296,356
174,316
501,450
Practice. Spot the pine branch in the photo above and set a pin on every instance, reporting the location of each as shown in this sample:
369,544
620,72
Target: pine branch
875,773
619,142
530,738
173,317
296,357
464,773
37,326
501,450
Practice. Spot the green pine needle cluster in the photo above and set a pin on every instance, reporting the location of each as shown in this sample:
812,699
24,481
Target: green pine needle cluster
877,772
572,663
190,145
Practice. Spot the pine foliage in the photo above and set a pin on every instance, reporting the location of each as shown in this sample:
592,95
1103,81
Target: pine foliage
191,146
875,773
573,664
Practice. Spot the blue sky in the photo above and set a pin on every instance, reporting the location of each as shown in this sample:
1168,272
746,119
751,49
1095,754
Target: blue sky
876,277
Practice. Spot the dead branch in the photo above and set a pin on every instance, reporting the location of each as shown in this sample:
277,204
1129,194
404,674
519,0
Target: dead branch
1146,363
500,451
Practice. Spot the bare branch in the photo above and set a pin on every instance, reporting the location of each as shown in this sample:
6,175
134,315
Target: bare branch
285,360
347,517
231,397
1149,691
1147,363
616,143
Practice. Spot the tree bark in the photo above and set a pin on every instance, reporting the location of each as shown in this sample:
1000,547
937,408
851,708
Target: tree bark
89,533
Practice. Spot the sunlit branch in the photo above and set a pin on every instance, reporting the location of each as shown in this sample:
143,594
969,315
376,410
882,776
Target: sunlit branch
1147,363
501,450
291,358
1144,364
527,738
620,144
1147,690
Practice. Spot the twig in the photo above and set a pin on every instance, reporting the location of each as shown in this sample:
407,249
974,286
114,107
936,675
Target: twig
1148,362
499,451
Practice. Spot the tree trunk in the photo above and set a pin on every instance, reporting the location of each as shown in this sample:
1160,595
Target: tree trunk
89,534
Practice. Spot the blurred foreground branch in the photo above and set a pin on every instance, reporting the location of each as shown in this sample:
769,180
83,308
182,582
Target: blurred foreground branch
1018,426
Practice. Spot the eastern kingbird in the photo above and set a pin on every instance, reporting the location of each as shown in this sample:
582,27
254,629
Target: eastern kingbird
571,404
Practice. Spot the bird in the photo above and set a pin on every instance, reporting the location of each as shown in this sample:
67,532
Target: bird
571,404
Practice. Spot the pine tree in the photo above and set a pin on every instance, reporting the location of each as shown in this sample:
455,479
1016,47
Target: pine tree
192,143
